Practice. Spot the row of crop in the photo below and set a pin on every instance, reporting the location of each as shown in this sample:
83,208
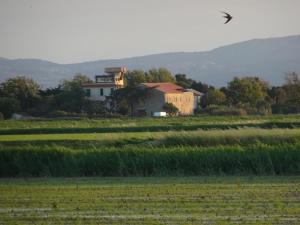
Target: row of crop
204,138
142,121
148,128
245,136
133,161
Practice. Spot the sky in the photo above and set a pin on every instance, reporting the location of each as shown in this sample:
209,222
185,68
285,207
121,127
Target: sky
71,31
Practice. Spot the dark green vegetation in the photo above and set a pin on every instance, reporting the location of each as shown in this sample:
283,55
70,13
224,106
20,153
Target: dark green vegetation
146,124
135,161
242,96
194,200
151,147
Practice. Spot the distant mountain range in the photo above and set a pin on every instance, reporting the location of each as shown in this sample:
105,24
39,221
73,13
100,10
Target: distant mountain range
268,58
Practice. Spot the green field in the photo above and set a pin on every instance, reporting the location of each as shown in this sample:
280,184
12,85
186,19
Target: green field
172,200
110,125
138,122
181,170
246,151
190,146
199,137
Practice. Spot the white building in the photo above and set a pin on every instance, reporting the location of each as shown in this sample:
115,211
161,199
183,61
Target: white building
105,84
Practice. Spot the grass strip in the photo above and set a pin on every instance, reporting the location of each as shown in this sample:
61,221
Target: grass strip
245,136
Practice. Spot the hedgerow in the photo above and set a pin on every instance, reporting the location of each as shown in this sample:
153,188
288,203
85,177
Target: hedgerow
259,159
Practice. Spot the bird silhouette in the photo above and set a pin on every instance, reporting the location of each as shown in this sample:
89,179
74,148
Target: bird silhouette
227,16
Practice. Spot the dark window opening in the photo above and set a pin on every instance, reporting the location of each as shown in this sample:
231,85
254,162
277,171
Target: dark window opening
88,92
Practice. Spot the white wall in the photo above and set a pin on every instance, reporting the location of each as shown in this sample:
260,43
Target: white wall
95,93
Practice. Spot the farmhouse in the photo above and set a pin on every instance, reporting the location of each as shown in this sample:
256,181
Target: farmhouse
105,84
160,93
186,100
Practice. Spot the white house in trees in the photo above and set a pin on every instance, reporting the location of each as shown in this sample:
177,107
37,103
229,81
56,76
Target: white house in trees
105,84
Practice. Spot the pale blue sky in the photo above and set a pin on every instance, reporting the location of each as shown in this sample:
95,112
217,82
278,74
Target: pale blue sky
68,31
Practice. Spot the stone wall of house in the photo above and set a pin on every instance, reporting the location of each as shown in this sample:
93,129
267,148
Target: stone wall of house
183,101
155,101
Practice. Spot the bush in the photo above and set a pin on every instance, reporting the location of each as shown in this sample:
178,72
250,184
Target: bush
8,106
285,109
60,113
171,109
223,111
94,108
43,107
264,108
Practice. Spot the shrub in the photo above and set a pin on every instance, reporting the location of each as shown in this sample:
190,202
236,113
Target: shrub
285,109
223,111
171,109
8,106
94,108
60,113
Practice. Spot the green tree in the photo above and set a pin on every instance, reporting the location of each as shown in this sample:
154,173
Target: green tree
247,90
124,99
94,108
76,83
135,77
201,87
72,98
292,89
171,109
215,97
277,95
263,107
8,106
25,90
159,76
183,81
47,103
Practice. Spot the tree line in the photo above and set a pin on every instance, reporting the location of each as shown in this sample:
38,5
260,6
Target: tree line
241,96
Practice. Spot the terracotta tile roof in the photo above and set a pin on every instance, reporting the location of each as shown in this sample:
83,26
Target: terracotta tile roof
165,87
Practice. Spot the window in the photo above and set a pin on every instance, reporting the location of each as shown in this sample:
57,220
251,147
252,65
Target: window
112,90
101,91
88,92
100,80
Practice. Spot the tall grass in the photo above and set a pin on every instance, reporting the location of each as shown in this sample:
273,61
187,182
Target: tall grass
245,136
259,159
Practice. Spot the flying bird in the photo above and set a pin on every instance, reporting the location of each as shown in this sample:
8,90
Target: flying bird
227,16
